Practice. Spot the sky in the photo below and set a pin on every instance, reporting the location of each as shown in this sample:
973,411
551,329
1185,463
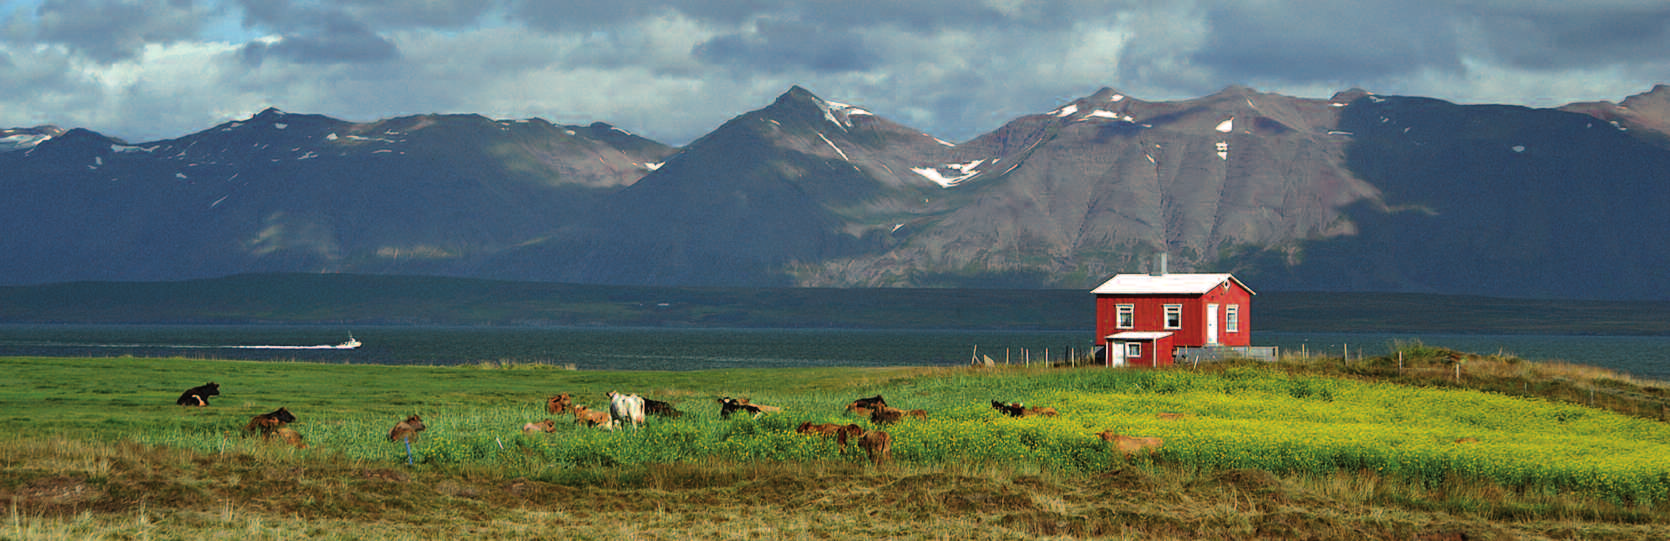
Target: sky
144,70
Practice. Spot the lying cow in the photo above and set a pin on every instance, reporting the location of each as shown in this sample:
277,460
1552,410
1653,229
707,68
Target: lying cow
886,415
407,429
266,423
626,409
290,436
558,405
1130,446
1018,410
661,409
728,405
199,395
590,418
542,426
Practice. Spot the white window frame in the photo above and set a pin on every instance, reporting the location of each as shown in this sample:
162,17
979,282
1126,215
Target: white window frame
1174,316
1125,316
1232,318
1133,350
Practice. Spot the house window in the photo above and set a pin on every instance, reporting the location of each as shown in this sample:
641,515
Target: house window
1127,317
1133,350
1232,318
1174,316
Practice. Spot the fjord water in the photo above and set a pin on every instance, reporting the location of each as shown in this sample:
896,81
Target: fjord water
644,348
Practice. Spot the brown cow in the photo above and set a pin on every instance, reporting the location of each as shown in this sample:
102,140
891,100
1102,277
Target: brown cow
290,436
728,405
1170,416
864,406
1131,445
886,415
542,426
407,429
1018,410
558,405
266,423
591,418
831,430
878,445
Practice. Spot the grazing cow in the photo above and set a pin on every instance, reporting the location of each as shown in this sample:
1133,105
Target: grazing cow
199,395
1467,440
841,432
626,409
661,409
917,414
266,423
407,429
590,417
1130,445
728,405
878,445
542,426
1044,411
290,436
558,405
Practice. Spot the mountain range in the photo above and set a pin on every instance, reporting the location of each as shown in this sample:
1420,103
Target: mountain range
1358,192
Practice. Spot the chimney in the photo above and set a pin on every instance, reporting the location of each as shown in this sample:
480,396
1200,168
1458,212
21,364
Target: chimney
1161,270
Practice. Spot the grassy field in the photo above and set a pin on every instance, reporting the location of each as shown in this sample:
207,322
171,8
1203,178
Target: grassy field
1308,448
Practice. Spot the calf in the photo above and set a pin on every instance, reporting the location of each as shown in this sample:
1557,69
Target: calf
407,429
728,405
1130,446
558,405
661,409
290,436
1018,410
589,417
266,423
542,426
884,415
626,409
199,395
878,445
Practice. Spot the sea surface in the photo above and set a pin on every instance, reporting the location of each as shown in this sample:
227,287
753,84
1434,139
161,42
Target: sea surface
642,348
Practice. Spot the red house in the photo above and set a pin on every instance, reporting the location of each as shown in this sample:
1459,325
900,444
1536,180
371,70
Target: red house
1142,318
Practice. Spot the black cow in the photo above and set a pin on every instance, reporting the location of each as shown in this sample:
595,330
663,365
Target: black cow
199,395
659,408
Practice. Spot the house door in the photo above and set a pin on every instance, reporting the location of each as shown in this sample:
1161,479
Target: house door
1211,323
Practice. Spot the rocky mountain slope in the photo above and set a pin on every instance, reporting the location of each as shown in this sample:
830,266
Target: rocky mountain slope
1356,192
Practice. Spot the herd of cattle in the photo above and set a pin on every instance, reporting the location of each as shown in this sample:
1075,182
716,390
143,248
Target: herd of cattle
632,409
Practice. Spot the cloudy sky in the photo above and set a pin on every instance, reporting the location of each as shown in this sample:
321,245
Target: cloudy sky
153,69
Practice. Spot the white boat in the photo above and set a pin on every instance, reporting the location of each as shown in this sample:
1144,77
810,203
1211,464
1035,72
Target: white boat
350,344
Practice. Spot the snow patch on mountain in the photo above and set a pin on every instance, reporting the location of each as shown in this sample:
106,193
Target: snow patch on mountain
832,145
22,141
840,114
1066,111
1227,125
961,172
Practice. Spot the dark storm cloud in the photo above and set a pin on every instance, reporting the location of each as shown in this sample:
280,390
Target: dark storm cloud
312,35
1326,41
786,45
108,30
1553,38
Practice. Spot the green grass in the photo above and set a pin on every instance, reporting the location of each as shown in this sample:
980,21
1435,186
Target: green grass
1264,433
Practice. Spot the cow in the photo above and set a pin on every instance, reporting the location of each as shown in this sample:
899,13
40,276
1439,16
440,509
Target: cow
878,445
266,423
407,429
661,409
558,405
1170,416
199,395
290,436
841,433
728,405
542,426
590,417
885,415
1019,410
626,409
1130,446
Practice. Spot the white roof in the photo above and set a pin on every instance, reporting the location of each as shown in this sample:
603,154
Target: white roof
1138,335
1148,284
